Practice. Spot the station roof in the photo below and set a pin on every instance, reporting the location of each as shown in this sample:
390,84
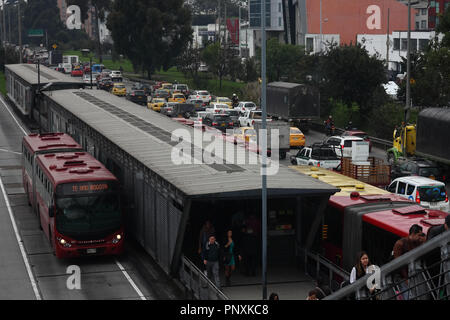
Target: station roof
29,73
147,136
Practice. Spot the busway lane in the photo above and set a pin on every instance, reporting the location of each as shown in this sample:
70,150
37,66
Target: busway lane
36,273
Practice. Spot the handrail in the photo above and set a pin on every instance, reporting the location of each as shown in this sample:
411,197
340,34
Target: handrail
405,259
202,281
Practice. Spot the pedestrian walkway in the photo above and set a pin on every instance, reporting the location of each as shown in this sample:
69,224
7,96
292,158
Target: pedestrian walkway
288,281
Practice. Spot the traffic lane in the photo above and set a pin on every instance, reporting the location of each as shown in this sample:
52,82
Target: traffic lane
101,277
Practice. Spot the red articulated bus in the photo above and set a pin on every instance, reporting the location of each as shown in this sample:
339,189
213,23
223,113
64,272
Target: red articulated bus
362,217
53,163
36,144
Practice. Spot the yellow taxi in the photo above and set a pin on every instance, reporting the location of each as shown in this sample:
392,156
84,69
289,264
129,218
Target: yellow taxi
297,138
223,100
119,89
177,97
243,134
156,104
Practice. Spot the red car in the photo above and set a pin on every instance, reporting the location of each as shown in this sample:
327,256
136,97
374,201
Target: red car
360,134
77,72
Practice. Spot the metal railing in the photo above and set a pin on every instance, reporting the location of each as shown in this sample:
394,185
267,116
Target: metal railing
381,143
428,278
197,283
322,265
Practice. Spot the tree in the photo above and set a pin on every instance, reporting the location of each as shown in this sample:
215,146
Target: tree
222,61
188,62
100,9
150,33
352,76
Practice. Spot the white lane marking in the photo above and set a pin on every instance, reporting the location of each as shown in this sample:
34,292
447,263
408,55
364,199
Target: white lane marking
13,222
12,115
5,150
30,274
125,273
20,242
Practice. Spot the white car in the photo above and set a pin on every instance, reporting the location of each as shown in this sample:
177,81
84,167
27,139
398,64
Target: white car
250,117
87,79
317,156
342,144
427,192
245,105
217,107
115,74
203,95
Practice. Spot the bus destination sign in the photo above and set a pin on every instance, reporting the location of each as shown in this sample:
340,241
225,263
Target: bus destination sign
85,187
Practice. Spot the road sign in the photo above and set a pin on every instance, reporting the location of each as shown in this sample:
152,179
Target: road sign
35,32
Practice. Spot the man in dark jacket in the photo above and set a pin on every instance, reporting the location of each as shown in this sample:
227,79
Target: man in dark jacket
211,260
437,230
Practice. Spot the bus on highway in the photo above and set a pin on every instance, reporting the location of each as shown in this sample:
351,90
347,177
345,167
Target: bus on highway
35,144
362,217
78,203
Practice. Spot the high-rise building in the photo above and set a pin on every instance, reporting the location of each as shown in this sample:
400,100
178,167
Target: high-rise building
436,8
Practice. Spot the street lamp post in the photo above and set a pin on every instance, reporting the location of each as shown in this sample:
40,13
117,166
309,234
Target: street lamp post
264,149
4,21
20,30
408,66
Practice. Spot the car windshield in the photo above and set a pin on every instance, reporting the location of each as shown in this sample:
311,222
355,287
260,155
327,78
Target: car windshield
203,93
250,105
222,118
181,87
250,132
88,214
429,172
223,99
295,131
139,93
119,86
432,193
233,113
157,100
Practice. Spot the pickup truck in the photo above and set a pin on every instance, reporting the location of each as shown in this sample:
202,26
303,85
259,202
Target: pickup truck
250,117
318,156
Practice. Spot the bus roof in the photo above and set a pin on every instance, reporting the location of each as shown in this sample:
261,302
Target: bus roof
48,142
74,167
347,185
399,222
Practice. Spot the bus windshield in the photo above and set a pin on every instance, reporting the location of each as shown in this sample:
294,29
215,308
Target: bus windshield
96,214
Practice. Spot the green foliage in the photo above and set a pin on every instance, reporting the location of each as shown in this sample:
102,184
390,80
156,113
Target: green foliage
150,33
343,113
221,61
352,76
384,119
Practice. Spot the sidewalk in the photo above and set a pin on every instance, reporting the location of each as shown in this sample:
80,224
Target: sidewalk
288,281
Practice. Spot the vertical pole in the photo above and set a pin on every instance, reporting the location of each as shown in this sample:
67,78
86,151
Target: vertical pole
264,149
240,53
4,21
90,69
408,67
387,39
320,45
20,31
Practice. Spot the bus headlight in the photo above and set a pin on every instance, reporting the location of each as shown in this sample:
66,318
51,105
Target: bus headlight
64,243
117,238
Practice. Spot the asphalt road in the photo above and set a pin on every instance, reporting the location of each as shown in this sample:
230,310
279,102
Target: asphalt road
29,270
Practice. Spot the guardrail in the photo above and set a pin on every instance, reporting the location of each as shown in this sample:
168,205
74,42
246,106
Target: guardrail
428,276
380,143
198,283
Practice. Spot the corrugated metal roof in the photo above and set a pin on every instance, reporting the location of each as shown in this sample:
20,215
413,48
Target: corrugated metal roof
29,73
144,135
288,85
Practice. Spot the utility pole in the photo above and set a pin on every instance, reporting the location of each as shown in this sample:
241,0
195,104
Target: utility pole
321,40
387,40
408,67
4,22
264,149
20,31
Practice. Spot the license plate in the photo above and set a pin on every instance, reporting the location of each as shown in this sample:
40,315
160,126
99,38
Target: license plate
222,125
91,251
432,177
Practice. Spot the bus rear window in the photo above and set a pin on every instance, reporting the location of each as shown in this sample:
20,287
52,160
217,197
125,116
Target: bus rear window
432,193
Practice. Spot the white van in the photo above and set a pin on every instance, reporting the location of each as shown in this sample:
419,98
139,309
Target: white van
427,192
